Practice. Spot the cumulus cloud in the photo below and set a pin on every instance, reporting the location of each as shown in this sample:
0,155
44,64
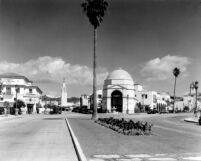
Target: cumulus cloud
161,68
53,69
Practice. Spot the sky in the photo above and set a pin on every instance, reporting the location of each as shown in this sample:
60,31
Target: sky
47,40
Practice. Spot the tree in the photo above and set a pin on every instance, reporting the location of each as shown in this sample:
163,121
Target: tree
176,72
20,104
95,11
195,86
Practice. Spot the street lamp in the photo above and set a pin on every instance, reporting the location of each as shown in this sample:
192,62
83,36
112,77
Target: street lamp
143,96
16,90
127,104
195,86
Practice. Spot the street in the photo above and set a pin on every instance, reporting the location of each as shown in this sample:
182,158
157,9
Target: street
46,138
172,138
36,138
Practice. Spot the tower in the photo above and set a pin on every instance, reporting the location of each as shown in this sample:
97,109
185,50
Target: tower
64,94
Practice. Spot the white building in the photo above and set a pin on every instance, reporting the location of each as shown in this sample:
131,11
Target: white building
147,98
19,87
188,101
118,92
152,99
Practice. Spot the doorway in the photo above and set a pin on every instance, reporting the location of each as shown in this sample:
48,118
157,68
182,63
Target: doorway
117,100
29,108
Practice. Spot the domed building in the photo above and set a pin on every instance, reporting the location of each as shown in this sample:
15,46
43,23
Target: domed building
118,92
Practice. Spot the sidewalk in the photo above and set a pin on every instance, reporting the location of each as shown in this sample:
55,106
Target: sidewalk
36,138
3,117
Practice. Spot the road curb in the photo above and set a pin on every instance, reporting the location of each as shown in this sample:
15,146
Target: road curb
192,121
78,149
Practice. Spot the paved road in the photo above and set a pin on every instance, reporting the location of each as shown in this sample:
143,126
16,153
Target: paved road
172,139
36,138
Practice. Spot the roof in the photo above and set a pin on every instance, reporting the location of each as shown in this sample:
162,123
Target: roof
14,76
120,74
47,98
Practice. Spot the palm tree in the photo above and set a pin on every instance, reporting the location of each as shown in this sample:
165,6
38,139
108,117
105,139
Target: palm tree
176,72
195,86
95,11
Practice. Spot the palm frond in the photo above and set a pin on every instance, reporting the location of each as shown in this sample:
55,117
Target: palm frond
95,10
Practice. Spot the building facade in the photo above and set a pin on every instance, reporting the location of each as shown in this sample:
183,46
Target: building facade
118,92
16,87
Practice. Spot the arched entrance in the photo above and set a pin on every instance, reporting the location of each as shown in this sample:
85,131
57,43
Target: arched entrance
117,100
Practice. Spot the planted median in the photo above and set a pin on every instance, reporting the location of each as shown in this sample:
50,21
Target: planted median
126,127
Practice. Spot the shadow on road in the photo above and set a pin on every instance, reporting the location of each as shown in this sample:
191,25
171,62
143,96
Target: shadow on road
55,118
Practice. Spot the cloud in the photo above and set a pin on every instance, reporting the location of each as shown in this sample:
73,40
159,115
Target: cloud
161,68
53,69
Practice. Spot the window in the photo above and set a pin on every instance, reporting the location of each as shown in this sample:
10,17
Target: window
99,96
144,96
154,99
30,90
8,90
18,90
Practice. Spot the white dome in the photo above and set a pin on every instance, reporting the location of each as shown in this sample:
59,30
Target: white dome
120,74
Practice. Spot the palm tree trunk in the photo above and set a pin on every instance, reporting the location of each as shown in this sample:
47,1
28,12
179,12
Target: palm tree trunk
174,94
94,115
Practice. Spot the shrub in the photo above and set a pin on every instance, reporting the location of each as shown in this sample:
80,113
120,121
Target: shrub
199,121
126,127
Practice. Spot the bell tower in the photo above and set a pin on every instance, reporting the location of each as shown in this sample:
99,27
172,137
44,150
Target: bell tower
64,93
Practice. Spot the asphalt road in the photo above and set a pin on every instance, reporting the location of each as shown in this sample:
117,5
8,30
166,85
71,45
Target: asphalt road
36,138
171,137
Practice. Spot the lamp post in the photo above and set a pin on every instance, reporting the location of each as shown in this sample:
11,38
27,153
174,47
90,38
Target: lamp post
143,96
16,90
127,104
196,88
1,88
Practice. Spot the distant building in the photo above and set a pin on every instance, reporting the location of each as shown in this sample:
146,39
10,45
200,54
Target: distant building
99,99
50,100
84,101
16,87
188,101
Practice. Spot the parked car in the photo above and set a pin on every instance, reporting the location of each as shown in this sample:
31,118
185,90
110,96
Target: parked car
152,111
